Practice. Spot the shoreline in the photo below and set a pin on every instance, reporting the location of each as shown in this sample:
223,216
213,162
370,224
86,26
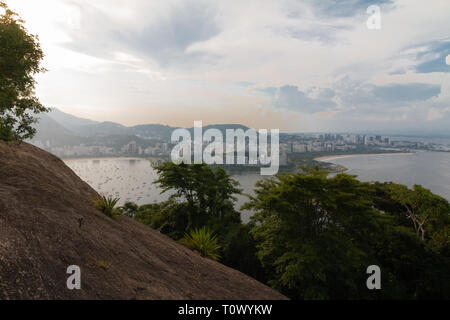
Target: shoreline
332,157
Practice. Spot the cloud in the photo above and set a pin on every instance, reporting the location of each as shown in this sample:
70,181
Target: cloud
347,95
400,93
366,95
346,8
164,34
433,57
324,21
447,60
176,55
317,32
289,97
434,114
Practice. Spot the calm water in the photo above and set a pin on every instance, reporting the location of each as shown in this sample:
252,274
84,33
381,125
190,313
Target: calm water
131,179
429,169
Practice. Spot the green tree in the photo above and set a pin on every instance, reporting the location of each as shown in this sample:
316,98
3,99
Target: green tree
209,193
169,217
312,232
239,251
316,236
20,58
129,209
428,213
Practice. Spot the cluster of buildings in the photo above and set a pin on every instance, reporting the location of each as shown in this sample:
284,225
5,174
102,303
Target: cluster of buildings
330,142
289,143
130,149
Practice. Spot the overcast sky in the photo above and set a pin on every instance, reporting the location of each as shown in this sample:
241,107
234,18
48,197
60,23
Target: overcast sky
294,65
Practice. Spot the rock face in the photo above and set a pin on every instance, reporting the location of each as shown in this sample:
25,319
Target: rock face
41,204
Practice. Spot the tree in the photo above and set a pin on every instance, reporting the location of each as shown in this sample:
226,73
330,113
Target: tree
129,209
20,58
168,217
312,231
426,211
316,236
239,252
209,193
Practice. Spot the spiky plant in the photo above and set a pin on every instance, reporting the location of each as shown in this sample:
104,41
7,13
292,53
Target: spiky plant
203,241
107,205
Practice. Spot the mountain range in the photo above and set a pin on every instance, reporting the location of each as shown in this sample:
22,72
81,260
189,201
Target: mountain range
63,129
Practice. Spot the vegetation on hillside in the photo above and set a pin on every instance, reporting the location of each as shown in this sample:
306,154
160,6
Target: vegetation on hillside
203,241
107,205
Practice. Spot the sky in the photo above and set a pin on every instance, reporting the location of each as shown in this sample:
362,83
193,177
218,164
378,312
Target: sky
290,65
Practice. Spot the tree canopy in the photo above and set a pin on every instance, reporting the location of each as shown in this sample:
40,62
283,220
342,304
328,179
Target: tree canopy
317,235
20,59
209,193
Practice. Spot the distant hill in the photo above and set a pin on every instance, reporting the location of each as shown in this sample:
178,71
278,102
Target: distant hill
105,129
63,129
52,131
41,204
153,130
222,128
72,123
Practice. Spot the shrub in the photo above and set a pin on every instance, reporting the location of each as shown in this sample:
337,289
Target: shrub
203,241
129,209
107,205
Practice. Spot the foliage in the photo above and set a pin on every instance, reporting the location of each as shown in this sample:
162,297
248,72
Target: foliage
417,209
425,210
107,205
312,236
209,194
20,57
203,241
129,209
317,235
239,251
168,217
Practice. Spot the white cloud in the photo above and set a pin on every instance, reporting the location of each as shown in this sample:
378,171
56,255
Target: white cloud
138,53
434,114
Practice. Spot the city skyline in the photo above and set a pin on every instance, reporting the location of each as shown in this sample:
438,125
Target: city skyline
298,66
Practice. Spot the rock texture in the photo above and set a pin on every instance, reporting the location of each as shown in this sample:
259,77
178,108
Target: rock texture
41,204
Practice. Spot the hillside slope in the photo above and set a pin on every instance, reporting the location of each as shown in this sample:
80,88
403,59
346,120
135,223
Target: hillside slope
49,130
41,202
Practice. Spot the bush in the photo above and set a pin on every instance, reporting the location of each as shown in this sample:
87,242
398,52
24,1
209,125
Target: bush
129,209
239,251
203,241
168,217
107,206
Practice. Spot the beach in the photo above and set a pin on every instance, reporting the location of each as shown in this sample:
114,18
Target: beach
332,157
